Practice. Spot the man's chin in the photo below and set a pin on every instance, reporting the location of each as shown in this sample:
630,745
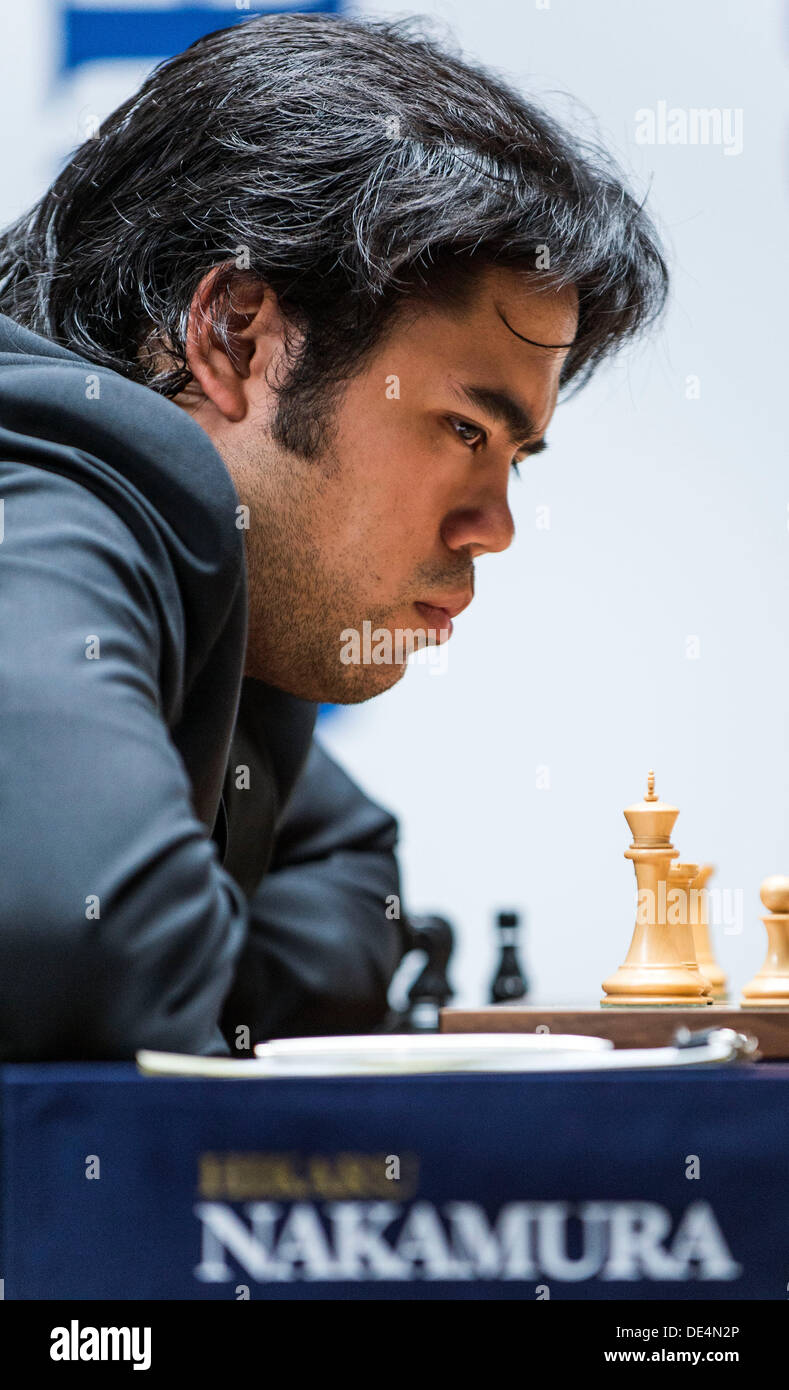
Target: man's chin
344,685
359,683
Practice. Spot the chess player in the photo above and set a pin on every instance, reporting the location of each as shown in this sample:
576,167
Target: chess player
272,345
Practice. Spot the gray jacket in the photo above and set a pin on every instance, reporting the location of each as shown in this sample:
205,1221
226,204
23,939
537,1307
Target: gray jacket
148,896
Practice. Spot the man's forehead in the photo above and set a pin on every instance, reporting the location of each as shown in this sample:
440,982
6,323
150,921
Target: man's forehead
511,347
513,315
532,308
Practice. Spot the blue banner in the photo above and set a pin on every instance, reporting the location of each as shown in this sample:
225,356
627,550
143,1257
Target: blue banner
137,32
667,1185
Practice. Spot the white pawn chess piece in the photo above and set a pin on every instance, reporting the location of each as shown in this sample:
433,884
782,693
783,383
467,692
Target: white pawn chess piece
769,989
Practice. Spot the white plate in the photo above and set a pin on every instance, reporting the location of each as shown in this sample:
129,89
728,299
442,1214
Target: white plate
397,1052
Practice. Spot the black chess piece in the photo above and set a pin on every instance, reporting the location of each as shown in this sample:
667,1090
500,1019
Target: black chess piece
431,989
509,982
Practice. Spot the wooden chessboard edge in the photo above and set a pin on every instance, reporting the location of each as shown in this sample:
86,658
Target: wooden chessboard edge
625,1027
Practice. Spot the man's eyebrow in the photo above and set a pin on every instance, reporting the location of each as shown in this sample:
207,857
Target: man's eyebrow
501,407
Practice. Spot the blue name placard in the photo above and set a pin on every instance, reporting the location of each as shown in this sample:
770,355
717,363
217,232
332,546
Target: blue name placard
667,1185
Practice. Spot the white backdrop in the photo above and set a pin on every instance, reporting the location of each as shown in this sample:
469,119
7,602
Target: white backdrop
646,625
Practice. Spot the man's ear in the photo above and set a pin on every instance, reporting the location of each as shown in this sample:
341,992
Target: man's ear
226,369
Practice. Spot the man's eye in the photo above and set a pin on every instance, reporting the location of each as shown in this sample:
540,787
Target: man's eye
473,435
470,434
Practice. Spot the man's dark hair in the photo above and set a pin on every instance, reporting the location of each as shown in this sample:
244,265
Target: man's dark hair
352,167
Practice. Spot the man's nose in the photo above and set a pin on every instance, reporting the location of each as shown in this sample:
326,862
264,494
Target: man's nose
479,530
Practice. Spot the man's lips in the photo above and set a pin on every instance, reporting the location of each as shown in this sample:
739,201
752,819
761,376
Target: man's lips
439,615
